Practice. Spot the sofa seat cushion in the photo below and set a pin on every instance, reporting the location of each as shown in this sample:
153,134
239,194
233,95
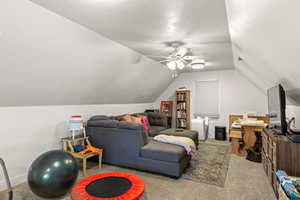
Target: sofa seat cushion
154,130
163,152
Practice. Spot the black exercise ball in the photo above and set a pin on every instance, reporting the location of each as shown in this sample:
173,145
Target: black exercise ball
52,174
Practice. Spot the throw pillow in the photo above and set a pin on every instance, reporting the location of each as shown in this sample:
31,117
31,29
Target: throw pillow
145,122
136,120
126,118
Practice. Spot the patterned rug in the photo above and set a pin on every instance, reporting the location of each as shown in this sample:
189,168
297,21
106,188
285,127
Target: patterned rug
210,165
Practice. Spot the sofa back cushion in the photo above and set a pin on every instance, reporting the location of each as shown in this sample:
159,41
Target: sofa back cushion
129,125
99,117
126,118
156,119
137,120
103,123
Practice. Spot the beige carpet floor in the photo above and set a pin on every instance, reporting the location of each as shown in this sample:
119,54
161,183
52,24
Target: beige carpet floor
245,181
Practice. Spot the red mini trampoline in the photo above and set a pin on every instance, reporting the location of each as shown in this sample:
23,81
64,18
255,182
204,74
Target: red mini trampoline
109,186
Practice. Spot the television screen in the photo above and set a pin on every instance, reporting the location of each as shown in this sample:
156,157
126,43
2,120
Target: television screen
276,107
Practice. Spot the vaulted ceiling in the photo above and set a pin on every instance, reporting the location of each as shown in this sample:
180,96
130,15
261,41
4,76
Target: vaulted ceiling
265,35
150,26
62,52
59,52
46,59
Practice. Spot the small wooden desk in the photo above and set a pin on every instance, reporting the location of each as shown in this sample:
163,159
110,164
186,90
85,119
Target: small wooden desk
67,146
244,135
249,136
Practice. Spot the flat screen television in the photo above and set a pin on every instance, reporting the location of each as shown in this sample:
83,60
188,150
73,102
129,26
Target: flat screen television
276,108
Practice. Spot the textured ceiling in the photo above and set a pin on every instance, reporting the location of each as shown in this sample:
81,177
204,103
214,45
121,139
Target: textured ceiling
265,34
147,26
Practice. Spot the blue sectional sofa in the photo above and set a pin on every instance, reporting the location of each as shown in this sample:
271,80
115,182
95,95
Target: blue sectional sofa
128,145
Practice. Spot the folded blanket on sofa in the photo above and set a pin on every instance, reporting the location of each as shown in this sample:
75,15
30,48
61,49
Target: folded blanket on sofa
187,143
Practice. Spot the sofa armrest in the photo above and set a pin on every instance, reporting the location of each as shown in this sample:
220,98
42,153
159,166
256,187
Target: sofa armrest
118,144
157,119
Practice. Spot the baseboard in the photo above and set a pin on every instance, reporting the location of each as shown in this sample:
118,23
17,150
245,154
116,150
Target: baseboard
14,181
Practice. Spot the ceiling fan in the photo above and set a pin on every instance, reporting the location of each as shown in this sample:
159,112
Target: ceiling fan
180,58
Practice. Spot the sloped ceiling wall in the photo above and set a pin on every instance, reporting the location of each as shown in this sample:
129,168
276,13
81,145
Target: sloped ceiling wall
46,59
266,35
150,27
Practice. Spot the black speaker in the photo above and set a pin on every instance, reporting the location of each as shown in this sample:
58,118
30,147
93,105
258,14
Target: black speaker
220,132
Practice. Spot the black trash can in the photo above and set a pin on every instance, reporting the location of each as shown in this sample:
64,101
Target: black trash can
220,132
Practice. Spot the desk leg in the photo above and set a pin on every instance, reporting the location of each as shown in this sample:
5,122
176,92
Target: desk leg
65,145
100,160
235,146
84,166
249,137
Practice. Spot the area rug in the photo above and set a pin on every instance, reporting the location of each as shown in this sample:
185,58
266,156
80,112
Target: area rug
210,165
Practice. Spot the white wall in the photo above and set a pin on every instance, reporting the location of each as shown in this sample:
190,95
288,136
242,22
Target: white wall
293,111
26,132
46,59
265,33
237,94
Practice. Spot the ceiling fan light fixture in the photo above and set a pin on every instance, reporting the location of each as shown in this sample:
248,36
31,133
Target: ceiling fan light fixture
198,65
182,51
172,65
180,65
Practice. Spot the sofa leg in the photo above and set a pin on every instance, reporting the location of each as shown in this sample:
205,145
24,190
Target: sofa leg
175,177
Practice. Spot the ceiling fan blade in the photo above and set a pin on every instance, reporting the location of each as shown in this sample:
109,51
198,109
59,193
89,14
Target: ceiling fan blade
190,57
164,60
153,56
183,60
182,51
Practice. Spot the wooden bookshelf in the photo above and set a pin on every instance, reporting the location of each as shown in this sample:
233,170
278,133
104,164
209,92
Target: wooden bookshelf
183,109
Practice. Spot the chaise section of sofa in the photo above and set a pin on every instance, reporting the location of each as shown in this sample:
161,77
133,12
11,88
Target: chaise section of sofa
126,144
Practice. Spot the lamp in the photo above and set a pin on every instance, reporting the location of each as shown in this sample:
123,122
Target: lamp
197,64
180,64
182,51
172,65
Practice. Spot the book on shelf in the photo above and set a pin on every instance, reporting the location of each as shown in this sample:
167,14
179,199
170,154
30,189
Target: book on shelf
181,106
183,109
181,114
181,123
181,96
